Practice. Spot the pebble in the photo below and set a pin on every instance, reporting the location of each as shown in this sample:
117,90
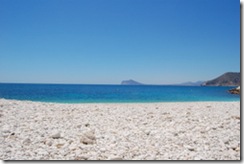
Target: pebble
120,131
189,147
115,158
90,135
198,158
49,143
6,131
237,148
103,149
147,132
56,135
80,158
207,128
73,147
86,140
27,141
5,134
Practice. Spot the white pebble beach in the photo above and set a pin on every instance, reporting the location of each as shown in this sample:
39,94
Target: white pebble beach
119,131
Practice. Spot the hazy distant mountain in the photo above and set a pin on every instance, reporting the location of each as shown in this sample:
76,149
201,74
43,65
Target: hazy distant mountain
130,82
197,83
227,79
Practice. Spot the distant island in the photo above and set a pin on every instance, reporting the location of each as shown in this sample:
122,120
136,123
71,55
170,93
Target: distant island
130,82
227,79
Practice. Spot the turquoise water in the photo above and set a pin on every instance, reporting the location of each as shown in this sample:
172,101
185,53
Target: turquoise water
69,93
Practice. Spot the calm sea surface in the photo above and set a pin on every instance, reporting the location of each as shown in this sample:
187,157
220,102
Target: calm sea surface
65,93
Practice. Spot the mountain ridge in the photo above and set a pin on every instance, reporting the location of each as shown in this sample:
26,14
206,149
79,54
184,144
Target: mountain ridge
226,79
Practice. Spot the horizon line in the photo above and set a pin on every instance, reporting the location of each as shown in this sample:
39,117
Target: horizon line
84,83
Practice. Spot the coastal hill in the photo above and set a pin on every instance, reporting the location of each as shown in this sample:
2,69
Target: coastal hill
130,82
227,79
197,83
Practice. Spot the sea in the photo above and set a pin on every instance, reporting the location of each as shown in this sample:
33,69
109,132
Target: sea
77,93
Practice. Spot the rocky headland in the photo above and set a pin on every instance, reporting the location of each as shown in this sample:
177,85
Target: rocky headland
227,79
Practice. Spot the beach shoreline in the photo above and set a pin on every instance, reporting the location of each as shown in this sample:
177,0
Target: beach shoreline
114,103
120,131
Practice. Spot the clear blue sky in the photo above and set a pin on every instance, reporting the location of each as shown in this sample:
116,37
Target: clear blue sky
107,41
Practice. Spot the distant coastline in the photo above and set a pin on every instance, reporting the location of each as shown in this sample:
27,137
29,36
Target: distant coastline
231,79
